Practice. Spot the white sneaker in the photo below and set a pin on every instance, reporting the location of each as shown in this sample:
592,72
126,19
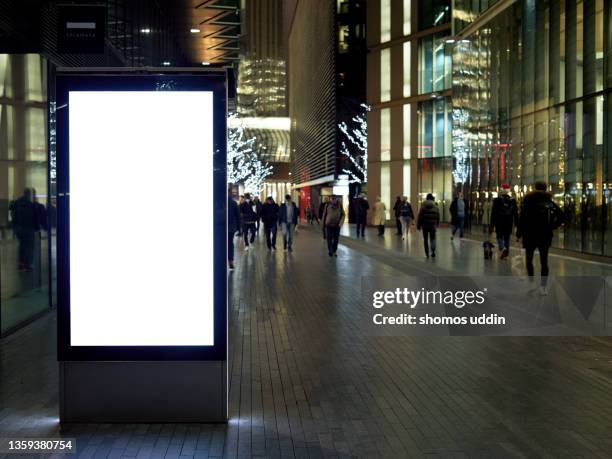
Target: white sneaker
543,290
246,249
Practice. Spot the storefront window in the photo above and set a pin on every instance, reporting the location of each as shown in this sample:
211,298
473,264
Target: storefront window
434,64
24,267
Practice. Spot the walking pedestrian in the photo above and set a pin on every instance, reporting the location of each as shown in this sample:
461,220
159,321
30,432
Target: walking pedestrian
428,221
361,207
539,217
504,216
24,218
322,211
396,213
288,219
269,218
248,217
458,210
406,216
333,220
313,214
233,225
379,216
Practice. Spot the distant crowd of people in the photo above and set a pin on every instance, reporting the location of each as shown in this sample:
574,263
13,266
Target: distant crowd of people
534,223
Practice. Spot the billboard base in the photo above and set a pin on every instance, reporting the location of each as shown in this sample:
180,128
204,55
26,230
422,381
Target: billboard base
147,392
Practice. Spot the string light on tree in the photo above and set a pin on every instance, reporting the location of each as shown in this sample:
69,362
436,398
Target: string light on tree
357,148
243,163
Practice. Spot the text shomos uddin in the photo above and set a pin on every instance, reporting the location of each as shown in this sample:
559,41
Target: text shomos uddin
413,298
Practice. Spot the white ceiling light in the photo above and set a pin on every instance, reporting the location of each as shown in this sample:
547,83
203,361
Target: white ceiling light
145,30
166,63
205,63
194,30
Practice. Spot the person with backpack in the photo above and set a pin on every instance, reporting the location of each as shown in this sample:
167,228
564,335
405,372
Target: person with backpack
361,208
333,219
504,216
269,218
539,217
406,216
428,220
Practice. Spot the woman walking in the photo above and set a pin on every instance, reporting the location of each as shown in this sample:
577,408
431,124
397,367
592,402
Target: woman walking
406,216
379,216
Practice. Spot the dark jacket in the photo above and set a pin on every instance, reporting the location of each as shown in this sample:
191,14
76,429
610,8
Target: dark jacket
453,210
24,215
247,213
269,214
322,209
530,226
282,215
233,216
405,208
396,207
504,214
361,207
429,215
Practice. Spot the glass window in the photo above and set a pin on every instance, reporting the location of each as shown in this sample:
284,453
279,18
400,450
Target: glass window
434,13
385,20
24,264
407,14
385,186
385,134
406,179
407,68
407,113
434,64
385,75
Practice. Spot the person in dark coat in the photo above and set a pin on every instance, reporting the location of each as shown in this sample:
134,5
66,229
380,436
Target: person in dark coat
428,221
288,217
248,217
396,212
504,216
269,218
322,207
459,212
361,207
538,218
24,216
233,225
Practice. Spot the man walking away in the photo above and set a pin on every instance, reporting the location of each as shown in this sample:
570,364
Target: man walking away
249,218
406,216
25,225
233,225
288,219
428,220
458,210
322,207
333,220
269,218
361,214
396,212
379,216
504,215
539,217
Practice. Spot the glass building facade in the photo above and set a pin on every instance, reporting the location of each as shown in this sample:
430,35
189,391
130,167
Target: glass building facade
24,242
409,87
530,102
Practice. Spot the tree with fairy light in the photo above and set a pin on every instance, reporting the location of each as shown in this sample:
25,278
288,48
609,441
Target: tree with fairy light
355,146
243,163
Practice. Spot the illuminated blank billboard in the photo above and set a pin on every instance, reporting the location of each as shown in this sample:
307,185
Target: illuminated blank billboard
141,218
